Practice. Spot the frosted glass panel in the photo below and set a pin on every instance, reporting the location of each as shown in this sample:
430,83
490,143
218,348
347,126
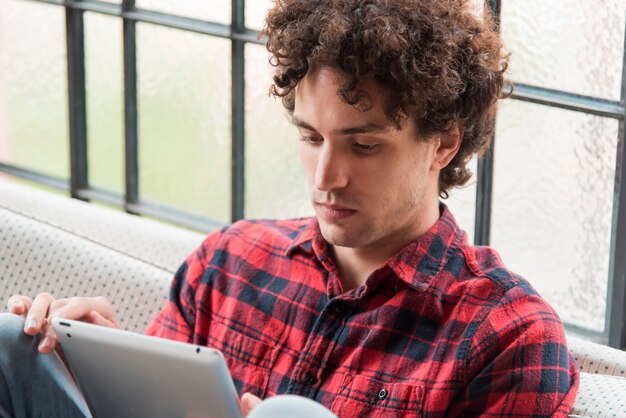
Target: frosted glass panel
33,87
573,45
105,99
213,10
553,196
275,182
32,184
255,12
184,120
462,203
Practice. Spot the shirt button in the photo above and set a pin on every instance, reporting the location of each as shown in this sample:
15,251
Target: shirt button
309,379
382,394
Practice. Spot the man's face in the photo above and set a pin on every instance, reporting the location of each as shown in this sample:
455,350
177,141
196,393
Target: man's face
370,183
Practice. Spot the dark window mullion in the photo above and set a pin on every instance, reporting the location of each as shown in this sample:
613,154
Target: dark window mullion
238,104
616,298
131,148
484,172
484,193
79,179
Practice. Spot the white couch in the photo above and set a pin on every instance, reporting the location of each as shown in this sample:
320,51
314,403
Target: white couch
67,247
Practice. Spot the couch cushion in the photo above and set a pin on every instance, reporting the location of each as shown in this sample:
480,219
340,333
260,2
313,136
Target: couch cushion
36,257
72,248
596,358
600,396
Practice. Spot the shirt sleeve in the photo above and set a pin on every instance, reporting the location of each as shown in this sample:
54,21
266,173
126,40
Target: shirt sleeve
176,320
518,363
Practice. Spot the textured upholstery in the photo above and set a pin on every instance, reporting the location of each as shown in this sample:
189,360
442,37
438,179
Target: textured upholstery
597,359
600,396
66,247
602,390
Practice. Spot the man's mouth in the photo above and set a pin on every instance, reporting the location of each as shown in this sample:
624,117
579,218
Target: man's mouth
331,212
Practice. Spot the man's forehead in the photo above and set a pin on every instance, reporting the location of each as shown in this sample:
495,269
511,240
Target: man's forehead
320,93
331,77
348,127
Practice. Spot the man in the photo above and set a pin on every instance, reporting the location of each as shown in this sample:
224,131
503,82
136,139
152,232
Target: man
377,306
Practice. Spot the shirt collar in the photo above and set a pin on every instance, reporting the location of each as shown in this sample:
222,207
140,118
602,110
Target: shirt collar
416,264
423,259
310,241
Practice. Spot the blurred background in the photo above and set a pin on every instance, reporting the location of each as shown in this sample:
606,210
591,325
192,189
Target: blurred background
161,108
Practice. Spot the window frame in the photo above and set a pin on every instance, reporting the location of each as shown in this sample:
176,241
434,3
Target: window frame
239,35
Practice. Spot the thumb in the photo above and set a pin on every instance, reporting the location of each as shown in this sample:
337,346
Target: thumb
97,319
248,401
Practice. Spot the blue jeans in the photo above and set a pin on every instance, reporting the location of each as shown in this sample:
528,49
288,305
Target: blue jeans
34,384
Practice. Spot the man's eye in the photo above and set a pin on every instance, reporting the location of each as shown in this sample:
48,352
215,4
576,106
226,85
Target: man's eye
366,148
311,139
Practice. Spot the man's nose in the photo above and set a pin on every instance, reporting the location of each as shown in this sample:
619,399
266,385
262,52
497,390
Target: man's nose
332,170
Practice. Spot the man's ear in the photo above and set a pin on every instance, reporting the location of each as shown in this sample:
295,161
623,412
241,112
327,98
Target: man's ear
449,144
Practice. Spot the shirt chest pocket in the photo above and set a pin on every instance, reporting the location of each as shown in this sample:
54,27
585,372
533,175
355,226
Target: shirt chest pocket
366,397
249,360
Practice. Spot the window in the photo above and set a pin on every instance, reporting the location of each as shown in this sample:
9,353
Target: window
161,108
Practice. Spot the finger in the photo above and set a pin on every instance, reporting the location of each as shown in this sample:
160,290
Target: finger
78,308
107,310
48,341
55,306
35,319
19,305
15,304
97,319
248,401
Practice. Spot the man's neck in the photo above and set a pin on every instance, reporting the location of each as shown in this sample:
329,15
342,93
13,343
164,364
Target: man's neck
355,265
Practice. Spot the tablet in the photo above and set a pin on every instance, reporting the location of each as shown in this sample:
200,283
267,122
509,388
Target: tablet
123,374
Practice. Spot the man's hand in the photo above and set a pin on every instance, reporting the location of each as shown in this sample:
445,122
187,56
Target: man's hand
248,401
97,310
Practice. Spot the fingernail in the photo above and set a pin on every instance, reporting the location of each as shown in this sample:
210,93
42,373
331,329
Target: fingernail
251,399
32,323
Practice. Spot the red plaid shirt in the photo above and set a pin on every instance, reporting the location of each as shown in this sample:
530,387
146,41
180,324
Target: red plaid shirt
441,329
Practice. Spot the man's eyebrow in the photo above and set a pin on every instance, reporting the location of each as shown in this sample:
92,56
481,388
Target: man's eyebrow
367,128
302,124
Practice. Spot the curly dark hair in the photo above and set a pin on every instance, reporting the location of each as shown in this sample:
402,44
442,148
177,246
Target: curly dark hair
442,62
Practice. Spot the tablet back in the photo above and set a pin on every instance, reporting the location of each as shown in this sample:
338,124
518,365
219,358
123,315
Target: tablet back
123,374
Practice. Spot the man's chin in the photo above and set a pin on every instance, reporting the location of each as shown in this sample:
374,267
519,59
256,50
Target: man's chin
339,235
